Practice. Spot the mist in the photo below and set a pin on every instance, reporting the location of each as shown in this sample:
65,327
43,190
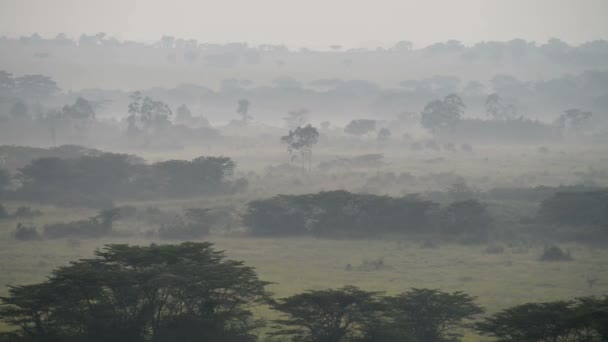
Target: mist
303,171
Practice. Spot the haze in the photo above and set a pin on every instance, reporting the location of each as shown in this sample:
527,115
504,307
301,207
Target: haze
313,23
304,171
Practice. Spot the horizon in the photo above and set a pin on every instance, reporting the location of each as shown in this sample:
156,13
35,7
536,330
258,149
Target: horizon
291,24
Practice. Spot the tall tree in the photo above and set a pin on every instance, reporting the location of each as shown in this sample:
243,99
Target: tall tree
301,140
440,115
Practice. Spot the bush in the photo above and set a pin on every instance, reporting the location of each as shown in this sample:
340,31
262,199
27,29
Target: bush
576,208
25,233
337,213
98,226
26,212
555,253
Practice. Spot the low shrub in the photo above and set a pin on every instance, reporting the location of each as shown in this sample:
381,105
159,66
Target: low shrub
555,253
26,233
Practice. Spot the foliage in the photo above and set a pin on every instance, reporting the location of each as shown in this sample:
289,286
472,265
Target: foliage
580,320
196,224
186,292
25,233
360,127
469,216
498,110
555,253
91,179
332,315
97,226
301,140
577,208
337,213
243,110
147,115
441,115
427,315
384,134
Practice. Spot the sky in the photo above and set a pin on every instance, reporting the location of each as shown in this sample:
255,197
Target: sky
312,23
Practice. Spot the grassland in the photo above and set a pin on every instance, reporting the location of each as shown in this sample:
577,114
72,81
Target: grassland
296,264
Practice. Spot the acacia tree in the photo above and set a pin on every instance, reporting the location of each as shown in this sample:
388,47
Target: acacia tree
427,315
186,292
146,115
584,319
440,115
332,315
301,140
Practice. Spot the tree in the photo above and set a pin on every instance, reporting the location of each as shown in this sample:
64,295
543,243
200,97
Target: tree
243,110
35,86
498,110
440,115
582,320
427,315
301,140
147,115
384,134
573,119
360,127
333,315
468,217
19,111
183,114
187,292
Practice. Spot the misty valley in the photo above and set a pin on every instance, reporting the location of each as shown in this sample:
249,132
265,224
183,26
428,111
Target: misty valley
185,191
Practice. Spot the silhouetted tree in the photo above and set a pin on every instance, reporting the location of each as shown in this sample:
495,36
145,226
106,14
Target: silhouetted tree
243,110
426,315
384,134
301,140
187,292
581,320
440,115
360,127
333,315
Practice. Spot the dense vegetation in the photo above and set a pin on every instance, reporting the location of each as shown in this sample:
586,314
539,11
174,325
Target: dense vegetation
191,292
97,180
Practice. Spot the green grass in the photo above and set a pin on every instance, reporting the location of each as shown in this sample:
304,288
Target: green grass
298,264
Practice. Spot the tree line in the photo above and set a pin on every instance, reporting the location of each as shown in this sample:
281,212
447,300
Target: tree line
96,180
191,292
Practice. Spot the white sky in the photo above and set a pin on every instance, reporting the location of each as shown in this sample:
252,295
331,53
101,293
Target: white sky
312,23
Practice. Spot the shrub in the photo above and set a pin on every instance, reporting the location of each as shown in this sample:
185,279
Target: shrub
97,226
555,253
26,212
25,233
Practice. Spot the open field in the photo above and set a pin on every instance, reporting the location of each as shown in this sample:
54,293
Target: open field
296,264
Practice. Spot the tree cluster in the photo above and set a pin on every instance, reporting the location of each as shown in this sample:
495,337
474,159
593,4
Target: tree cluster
341,213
